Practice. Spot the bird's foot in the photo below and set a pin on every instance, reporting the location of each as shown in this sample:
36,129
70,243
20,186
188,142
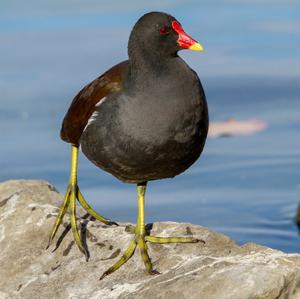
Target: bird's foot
139,241
129,228
72,194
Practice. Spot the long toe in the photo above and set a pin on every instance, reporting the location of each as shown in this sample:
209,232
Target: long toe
60,216
92,212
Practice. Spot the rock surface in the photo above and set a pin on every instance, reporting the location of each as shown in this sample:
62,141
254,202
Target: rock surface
218,269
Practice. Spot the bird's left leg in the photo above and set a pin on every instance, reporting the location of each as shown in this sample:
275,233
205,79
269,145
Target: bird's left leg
73,193
141,237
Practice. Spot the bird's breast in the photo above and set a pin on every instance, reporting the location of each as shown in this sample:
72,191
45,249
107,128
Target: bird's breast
157,119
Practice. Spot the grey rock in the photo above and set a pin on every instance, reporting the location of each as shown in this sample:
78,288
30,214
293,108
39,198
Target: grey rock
218,269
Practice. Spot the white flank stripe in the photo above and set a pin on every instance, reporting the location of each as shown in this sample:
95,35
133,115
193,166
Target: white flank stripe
95,113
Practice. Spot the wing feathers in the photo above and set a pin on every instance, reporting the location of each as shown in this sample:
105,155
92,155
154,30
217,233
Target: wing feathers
83,105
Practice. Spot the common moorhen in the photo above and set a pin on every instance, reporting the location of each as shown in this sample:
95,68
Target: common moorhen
144,119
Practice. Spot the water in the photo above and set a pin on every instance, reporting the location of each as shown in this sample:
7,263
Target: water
246,187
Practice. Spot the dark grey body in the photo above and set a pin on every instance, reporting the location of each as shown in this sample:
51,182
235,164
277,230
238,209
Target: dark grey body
154,128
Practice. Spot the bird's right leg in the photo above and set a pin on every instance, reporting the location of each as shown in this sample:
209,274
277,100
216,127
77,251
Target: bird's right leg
72,194
141,236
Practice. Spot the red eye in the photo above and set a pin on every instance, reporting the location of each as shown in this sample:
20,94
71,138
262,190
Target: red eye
163,30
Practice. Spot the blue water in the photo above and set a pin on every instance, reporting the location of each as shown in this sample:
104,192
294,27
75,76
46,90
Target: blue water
247,187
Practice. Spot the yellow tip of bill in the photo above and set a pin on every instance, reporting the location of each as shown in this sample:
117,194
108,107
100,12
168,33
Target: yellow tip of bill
196,47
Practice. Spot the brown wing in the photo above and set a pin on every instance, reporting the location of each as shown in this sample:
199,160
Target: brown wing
84,103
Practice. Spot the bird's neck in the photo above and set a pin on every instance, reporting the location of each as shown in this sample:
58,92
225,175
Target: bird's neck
146,69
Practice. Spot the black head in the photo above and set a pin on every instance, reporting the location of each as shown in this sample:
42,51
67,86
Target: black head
158,34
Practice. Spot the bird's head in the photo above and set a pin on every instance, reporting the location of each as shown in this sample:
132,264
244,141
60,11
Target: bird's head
162,34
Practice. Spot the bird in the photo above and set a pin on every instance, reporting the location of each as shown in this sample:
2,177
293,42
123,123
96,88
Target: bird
144,119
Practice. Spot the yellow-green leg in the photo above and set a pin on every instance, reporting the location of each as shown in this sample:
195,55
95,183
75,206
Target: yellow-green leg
140,238
72,194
